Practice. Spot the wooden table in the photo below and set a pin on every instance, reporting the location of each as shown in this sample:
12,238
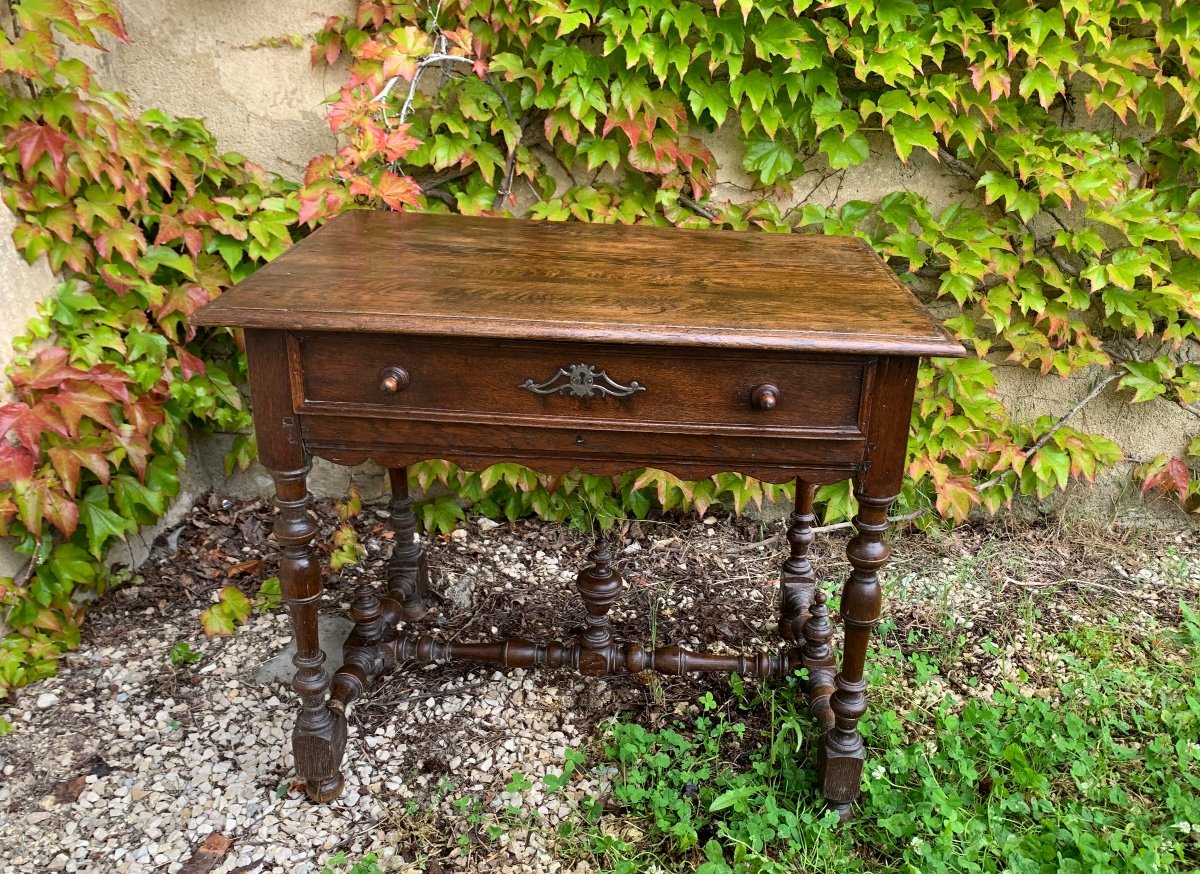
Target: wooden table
399,338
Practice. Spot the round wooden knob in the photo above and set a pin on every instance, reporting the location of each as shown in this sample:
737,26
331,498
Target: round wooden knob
393,379
765,397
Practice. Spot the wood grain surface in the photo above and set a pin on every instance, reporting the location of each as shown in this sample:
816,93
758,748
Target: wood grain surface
481,380
461,276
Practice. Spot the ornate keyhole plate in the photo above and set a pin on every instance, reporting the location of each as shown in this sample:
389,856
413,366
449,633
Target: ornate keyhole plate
582,381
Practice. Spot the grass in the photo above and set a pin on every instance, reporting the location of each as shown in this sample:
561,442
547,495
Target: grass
1035,707
1098,771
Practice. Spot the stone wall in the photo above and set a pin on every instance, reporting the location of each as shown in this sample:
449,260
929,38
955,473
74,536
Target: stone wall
209,59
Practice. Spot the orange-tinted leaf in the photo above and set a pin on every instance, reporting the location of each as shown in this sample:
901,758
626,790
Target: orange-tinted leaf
145,413
78,399
216,622
398,143
135,446
34,140
111,380
189,364
28,423
955,497
398,191
60,510
48,620
68,460
1172,478
127,239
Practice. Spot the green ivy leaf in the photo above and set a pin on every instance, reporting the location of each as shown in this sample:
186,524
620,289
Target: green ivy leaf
441,515
100,522
1145,379
769,159
72,564
706,96
909,133
843,151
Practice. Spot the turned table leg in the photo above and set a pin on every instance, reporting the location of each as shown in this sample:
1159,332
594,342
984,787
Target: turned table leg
319,738
843,753
407,573
798,580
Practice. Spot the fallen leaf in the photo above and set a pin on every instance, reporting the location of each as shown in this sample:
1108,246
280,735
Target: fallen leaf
68,791
250,566
208,855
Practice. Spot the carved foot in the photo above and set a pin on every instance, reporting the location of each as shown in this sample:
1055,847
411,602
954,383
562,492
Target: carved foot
319,759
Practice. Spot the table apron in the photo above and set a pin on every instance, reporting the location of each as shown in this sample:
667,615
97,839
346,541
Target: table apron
818,456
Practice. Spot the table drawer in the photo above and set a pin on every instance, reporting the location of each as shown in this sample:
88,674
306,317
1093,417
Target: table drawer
415,377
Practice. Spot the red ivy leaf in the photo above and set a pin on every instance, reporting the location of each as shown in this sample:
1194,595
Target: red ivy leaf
16,463
136,448
332,51
1173,478
170,228
48,620
127,239
37,16
111,380
49,370
28,423
145,413
189,364
184,299
34,140
398,143
112,22
60,510
318,169
369,13
310,207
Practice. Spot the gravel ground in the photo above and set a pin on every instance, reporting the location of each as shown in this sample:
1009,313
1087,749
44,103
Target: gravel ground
126,763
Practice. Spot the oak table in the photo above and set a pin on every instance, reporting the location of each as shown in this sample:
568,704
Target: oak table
401,337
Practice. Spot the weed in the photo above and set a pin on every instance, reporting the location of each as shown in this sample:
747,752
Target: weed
182,653
518,783
369,864
1099,775
270,595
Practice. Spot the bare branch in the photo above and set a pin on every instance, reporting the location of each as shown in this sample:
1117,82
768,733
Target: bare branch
697,208
510,165
444,196
957,166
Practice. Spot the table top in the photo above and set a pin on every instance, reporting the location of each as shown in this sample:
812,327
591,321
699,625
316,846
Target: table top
444,275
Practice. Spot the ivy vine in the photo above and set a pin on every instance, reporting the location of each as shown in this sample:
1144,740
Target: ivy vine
1075,122
146,220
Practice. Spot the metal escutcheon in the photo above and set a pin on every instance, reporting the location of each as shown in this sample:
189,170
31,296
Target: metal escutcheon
582,381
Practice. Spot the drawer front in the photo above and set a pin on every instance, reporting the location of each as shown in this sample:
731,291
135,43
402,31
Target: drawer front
388,376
